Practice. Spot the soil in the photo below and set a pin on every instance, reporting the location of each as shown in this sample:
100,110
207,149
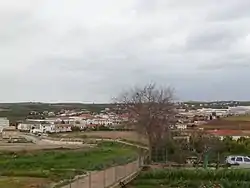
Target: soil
227,124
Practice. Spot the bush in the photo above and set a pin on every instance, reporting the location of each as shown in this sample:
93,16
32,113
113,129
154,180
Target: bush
193,178
75,129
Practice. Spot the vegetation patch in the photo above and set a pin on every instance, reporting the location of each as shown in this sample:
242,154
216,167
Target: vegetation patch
194,178
64,164
238,118
23,182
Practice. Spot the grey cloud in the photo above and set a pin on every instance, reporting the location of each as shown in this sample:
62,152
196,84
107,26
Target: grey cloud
232,11
15,26
228,62
76,51
214,37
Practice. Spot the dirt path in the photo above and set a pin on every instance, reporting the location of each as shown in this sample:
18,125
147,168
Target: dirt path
102,179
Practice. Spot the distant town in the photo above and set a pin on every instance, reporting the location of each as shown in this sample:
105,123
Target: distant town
190,116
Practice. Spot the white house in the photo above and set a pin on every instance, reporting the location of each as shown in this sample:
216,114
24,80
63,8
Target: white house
4,123
181,126
102,121
42,128
24,126
62,128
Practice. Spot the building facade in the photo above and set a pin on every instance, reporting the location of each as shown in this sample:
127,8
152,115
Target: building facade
4,123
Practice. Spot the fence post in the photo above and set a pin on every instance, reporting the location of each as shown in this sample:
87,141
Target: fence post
115,169
125,170
104,178
139,161
90,180
70,182
77,183
135,166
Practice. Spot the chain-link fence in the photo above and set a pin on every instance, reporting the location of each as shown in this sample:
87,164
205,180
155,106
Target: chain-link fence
177,156
108,177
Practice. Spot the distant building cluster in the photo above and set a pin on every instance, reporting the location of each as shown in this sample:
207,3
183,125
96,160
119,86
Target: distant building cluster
194,118
70,120
66,122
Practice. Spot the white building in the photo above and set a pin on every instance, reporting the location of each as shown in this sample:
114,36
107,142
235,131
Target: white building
43,128
239,110
61,128
4,122
181,126
24,126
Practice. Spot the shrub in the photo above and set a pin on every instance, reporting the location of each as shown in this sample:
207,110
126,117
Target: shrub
193,178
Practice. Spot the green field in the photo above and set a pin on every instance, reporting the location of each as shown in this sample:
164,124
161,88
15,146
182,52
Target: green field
172,178
56,165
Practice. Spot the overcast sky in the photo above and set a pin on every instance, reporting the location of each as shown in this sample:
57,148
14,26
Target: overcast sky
88,51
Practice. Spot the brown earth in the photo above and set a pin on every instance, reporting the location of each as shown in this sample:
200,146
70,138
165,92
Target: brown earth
127,135
227,124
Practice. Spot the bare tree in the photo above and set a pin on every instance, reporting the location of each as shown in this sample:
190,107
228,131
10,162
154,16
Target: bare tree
151,110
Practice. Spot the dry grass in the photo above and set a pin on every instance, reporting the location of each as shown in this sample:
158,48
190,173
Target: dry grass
23,182
126,135
32,147
238,118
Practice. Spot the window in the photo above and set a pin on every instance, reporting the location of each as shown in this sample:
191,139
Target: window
233,158
246,159
239,159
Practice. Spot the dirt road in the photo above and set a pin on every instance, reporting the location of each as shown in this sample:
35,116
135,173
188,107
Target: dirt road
38,144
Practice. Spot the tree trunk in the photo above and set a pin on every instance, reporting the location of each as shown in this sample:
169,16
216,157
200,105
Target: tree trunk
218,160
